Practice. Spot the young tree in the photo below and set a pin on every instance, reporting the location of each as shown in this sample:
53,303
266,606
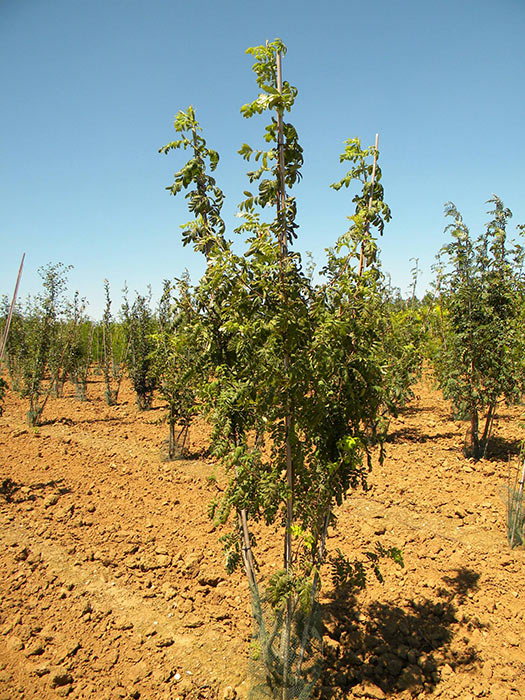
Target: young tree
81,342
140,328
115,346
16,342
176,361
481,295
288,360
45,350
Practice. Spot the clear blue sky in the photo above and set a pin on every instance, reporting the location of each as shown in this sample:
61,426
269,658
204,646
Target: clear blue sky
90,89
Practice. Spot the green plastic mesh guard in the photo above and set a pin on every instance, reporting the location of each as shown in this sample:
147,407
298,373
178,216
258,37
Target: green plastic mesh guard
285,659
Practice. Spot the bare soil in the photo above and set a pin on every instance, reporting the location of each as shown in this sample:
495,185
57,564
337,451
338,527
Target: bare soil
112,581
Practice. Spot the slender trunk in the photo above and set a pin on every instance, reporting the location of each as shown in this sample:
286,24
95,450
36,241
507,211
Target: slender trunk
474,433
171,447
488,428
307,627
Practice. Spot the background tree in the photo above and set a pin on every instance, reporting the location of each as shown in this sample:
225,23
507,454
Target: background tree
478,359
115,347
16,344
140,327
45,348
176,361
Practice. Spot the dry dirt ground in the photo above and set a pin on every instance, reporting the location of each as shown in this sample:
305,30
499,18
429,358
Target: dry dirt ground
112,581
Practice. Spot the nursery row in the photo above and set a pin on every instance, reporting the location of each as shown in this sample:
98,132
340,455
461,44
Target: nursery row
298,372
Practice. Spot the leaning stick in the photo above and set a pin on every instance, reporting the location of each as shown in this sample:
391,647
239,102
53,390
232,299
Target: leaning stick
9,316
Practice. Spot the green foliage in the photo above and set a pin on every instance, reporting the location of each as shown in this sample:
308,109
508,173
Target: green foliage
292,371
80,355
115,347
16,344
478,357
176,359
71,361
140,327
45,344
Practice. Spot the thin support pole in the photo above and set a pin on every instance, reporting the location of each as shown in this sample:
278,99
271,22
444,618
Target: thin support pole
281,203
9,316
370,202
289,418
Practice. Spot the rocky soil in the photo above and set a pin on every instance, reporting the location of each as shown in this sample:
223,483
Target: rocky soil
112,582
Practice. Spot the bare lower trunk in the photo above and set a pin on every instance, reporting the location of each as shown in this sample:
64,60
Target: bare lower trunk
474,434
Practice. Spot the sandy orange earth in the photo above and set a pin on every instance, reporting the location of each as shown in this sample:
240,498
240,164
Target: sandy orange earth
112,581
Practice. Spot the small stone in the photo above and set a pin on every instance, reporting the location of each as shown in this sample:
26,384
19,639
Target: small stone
59,678
208,580
65,512
446,670
368,690
169,592
51,500
163,560
22,554
66,650
164,641
411,679
42,670
229,693
35,649
15,643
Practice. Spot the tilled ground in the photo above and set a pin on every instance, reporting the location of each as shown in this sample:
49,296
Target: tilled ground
112,581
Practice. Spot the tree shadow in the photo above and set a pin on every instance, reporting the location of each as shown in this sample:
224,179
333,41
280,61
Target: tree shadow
14,492
417,435
395,647
501,448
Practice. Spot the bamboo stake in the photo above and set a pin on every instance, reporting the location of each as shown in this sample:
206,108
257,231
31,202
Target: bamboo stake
370,202
9,316
281,204
283,245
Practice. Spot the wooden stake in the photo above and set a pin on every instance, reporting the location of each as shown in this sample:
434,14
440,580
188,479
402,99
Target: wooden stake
281,203
370,202
9,316
289,418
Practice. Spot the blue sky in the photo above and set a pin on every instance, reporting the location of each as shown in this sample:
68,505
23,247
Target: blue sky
90,89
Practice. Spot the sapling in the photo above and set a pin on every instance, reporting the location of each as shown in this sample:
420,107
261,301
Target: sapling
480,361
81,342
176,361
288,360
45,351
15,345
140,327
115,347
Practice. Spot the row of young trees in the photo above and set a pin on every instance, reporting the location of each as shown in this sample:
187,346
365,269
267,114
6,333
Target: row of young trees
52,340
298,374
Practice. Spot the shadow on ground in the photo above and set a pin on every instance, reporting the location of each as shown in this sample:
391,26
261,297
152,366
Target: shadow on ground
417,435
395,648
12,492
